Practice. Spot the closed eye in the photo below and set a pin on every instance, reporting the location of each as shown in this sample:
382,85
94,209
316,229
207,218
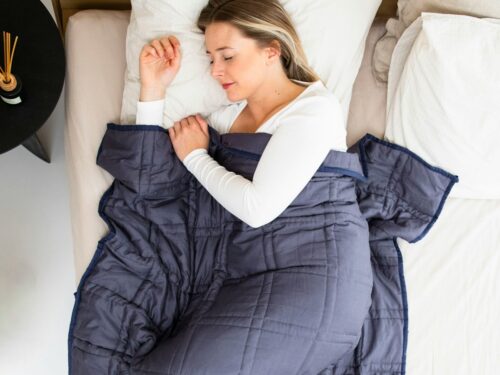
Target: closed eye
225,58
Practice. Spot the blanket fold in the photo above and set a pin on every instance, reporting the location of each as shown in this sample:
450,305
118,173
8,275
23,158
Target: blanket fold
181,286
402,197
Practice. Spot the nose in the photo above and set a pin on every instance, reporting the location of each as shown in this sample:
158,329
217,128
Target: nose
217,70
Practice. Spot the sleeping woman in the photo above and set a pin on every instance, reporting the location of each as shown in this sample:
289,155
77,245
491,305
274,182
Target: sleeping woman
185,298
257,58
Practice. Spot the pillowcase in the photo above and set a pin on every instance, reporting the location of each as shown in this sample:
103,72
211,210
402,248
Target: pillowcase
368,101
332,32
410,10
444,103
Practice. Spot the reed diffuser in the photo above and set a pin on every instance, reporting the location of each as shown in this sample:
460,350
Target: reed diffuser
10,83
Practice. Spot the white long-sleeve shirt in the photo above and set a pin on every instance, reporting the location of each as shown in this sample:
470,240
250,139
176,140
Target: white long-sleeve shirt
303,133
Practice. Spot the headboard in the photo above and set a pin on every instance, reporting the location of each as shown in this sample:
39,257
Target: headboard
65,8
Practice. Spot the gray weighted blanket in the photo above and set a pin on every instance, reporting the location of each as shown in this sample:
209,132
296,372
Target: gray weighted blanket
181,286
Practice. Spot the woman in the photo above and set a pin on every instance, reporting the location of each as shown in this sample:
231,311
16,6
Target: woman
258,59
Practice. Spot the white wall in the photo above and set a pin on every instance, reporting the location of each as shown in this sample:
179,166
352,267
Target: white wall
36,259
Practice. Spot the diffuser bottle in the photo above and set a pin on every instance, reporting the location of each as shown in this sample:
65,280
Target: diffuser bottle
10,91
10,84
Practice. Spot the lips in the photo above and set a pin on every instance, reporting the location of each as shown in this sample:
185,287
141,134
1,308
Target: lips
225,86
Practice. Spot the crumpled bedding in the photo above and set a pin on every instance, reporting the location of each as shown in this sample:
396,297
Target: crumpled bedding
181,286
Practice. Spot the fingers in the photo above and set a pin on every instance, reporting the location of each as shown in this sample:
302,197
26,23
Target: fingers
177,127
200,119
158,48
177,45
174,39
168,47
172,46
173,131
148,49
199,122
185,122
192,120
203,124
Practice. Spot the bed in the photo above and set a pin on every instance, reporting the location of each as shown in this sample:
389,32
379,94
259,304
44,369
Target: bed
452,281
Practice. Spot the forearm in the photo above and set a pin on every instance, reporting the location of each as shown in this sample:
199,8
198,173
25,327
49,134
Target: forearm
234,192
151,93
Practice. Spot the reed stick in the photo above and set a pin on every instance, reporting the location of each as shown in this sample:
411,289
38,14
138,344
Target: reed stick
4,50
8,56
13,51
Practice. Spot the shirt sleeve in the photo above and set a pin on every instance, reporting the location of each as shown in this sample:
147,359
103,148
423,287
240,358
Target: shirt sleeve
303,139
150,112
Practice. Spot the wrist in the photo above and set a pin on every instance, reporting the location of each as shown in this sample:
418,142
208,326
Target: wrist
150,93
192,154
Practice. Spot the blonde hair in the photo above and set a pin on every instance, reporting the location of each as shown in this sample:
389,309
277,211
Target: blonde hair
264,21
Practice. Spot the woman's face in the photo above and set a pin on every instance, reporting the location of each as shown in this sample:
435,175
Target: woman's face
235,59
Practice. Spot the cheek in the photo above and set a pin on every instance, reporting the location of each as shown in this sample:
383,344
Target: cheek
249,70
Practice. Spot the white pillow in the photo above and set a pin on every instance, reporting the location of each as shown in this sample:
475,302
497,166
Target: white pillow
410,10
332,32
444,102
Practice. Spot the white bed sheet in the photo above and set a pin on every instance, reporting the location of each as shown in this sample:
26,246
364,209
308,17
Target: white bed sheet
453,288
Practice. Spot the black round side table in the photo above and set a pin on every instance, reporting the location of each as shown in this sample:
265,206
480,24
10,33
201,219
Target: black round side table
39,61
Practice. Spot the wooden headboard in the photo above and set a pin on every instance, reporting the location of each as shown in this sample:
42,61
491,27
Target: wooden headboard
65,8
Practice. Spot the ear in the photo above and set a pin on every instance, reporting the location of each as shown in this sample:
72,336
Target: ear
274,50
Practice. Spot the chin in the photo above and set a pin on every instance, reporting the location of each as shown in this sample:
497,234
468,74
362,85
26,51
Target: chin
233,97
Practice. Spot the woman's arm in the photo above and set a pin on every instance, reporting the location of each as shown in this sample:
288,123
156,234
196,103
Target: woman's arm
292,156
159,63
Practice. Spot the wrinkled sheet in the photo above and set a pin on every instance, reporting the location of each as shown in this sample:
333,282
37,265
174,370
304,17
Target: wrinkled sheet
181,286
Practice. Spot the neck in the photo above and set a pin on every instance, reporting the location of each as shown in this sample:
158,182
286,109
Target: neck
271,95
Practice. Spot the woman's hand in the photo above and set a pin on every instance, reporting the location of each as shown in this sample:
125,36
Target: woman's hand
159,63
188,134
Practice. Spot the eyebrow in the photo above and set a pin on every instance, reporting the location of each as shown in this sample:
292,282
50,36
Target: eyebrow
221,48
